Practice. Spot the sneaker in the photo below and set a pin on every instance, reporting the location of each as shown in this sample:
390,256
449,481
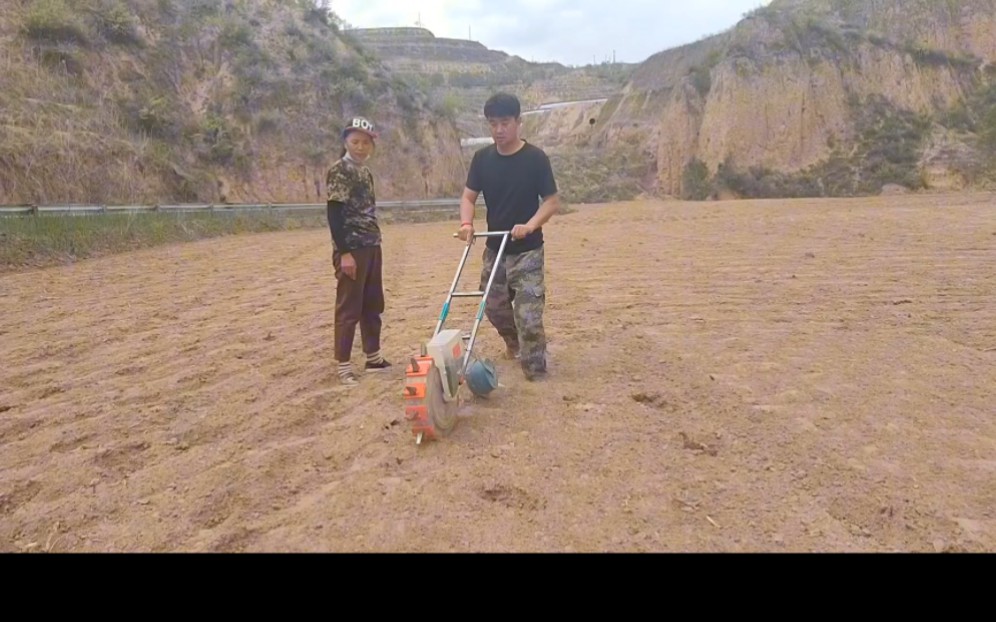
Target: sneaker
348,379
383,365
345,373
512,353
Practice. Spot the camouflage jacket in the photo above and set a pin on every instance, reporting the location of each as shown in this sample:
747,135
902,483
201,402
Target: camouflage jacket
353,186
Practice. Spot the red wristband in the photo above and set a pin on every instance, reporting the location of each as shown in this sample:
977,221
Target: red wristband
466,223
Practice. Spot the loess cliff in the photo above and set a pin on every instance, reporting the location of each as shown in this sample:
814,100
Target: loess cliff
806,98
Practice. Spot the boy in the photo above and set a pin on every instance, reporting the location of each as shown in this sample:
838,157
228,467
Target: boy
356,252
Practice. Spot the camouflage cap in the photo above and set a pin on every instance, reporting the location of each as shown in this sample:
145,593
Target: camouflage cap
359,124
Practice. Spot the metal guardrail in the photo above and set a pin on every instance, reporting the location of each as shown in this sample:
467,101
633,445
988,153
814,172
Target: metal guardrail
85,210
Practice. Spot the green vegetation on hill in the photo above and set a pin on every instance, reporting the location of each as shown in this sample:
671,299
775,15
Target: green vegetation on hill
158,100
886,151
977,116
200,100
882,144
599,176
823,32
459,75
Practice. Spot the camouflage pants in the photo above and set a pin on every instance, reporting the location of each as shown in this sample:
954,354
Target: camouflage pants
515,305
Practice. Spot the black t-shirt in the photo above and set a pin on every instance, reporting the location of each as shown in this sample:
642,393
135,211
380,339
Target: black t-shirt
513,187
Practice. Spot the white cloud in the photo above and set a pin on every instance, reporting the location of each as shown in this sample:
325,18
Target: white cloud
572,32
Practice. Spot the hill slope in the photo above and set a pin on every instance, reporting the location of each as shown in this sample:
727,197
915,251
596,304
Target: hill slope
162,100
461,74
807,98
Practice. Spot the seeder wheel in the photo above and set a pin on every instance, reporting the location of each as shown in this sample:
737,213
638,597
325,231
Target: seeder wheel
442,414
426,408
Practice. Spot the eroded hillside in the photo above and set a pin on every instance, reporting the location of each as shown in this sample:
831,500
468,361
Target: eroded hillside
805,98
460,74
200,100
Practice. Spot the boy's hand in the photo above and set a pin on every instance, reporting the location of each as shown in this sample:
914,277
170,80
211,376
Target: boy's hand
466,233
348,265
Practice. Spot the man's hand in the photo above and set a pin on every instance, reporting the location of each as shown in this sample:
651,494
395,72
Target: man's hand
467,202
521,231
348,264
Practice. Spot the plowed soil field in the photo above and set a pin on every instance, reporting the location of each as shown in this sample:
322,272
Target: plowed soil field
729,376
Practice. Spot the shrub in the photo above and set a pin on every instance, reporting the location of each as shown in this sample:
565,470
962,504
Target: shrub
695,181
54,21
115,23
702,80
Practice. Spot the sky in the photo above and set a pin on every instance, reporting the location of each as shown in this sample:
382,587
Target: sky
571,32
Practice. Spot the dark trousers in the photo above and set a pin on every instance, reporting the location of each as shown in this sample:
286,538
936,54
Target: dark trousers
358,301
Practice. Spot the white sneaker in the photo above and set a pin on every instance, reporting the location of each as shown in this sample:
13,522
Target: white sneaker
348,378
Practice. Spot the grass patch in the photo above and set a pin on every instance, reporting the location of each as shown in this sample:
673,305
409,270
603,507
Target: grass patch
599,176
47,240
975,119
115,22
977,114
51,240
53,21
930,57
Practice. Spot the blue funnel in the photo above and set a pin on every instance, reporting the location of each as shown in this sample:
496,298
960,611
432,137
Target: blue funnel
481,377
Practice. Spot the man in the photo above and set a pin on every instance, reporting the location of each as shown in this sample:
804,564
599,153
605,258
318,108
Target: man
513,175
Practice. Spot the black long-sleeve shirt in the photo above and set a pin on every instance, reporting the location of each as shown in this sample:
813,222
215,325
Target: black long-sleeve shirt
335,212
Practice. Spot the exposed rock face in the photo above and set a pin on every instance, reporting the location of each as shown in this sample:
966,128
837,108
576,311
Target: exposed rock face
804,86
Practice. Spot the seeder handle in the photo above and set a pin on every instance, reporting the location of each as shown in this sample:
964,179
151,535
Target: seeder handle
505,235
486,234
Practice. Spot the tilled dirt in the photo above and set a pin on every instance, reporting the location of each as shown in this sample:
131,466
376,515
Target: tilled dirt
743,376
